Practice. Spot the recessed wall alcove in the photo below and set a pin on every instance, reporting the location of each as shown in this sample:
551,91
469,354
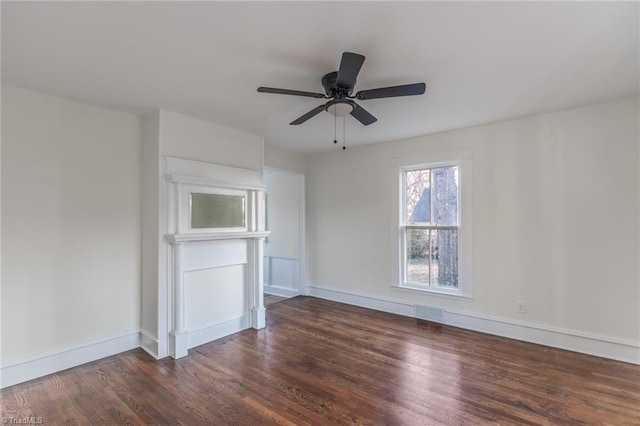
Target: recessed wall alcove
203,233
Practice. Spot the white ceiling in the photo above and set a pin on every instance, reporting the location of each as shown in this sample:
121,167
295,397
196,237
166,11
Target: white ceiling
482,62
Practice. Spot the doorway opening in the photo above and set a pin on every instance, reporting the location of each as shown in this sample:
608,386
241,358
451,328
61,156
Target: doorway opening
284,248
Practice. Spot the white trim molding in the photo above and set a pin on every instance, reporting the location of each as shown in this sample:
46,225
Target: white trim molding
149,343
572,340
576,341
212,332
277,290
281,276
210,182
364,301
29,368
181,339
185,238
181,170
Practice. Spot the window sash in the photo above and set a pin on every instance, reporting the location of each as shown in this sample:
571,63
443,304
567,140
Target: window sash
405,226
405,264
431,166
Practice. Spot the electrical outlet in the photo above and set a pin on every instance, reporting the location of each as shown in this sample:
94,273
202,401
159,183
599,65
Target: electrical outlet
521,306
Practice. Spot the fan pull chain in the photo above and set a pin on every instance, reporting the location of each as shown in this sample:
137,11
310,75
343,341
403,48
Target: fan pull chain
344,132
335,131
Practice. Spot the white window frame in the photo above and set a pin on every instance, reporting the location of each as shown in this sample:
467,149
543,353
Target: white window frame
184,208
461,159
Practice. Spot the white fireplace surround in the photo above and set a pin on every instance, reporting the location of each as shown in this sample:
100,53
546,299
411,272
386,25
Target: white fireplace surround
219,263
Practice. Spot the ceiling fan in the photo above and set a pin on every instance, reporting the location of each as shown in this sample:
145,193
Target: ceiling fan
339,85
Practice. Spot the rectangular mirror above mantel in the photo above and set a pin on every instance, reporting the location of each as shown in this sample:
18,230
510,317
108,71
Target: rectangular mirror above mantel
215,230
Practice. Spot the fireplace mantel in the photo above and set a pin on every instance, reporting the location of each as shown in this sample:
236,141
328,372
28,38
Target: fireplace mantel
211,236
213,249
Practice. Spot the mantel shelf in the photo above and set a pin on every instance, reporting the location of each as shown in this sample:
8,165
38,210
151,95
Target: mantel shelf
210,236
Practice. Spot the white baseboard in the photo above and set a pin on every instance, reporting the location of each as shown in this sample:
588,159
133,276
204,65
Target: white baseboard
29,368
364,301
280,291
591,344
25,369
149,343
216,331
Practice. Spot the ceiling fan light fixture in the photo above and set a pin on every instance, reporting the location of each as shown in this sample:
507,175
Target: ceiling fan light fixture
339,108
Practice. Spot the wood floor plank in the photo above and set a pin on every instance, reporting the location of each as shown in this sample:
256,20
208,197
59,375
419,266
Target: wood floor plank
320,362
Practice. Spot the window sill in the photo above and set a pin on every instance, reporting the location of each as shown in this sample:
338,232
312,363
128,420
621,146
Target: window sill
434,292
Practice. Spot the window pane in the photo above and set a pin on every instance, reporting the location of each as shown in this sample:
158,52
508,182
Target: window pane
217,211
444,258
417,256
445,195
418,196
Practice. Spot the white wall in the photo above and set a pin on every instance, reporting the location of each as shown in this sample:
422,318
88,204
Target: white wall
283,202
282,159
186,137
71,223
151,228
555,219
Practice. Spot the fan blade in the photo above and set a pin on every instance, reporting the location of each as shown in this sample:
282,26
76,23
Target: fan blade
362,115
289,92
349,68
392,91
307,116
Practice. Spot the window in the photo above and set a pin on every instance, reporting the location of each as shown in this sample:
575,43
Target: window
433,234
204,209
431,227
217,211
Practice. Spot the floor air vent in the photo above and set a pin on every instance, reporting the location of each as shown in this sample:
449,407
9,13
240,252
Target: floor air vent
429,313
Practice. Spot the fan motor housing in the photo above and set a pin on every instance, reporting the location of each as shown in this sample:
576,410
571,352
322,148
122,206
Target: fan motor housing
331,89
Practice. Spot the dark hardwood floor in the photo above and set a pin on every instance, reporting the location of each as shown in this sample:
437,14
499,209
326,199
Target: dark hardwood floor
320,362
270,299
